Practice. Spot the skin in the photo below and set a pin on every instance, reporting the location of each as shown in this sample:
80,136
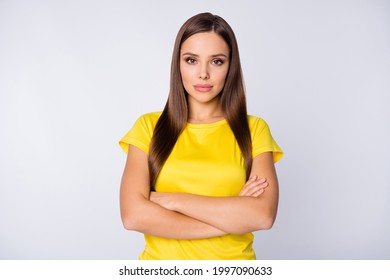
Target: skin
204,61
187,216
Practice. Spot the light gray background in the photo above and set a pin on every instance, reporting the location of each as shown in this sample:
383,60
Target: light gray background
75,75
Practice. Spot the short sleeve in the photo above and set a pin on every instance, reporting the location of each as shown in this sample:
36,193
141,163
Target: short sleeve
141,133
262,140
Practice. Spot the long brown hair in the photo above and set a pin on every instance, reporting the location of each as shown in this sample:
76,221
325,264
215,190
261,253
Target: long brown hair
175,114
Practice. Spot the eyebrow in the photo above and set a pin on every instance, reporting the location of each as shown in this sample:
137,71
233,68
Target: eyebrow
214,55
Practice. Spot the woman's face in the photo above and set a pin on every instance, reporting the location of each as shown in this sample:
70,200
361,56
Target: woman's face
204,63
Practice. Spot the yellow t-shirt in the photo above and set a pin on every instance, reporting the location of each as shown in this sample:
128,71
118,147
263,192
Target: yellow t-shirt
206,160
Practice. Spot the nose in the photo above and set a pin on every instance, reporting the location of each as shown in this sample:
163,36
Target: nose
204,72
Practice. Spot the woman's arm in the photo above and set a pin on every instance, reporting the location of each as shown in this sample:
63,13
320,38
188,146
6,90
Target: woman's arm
238,215
140,214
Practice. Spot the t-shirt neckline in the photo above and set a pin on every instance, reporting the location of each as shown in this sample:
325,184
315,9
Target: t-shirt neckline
207,125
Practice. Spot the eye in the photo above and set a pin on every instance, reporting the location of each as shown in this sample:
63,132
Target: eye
190,60
218,61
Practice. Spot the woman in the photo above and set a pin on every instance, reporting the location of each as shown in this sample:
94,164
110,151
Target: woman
200,176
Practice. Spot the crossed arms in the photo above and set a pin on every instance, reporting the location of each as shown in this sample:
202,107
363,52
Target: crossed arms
189,216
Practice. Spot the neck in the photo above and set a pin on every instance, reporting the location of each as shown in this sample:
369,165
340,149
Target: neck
205,113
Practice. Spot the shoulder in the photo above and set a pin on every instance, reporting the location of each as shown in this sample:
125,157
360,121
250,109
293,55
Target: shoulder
150,117
148,120
256,123
141,133
262,139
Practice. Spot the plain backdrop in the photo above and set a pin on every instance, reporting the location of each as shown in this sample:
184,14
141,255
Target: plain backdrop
75,75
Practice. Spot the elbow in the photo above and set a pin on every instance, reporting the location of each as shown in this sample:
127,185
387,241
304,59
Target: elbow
131,221
128,224
132,215
266,220
267,216
261,219
267,223
262,223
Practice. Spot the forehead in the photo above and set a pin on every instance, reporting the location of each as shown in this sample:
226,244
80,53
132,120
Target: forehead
205,43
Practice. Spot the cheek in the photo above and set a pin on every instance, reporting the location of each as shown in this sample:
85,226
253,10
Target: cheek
185,74
222,77
185,78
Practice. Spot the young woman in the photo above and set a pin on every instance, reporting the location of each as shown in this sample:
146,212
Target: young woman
200,175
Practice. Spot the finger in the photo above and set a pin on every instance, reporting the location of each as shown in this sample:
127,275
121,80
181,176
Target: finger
258,193
253,187
247,185
252,182
252,191
248,189
256,183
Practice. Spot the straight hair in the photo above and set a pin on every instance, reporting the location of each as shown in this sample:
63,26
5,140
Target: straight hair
174,117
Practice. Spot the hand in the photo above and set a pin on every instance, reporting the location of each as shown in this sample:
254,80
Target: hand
254,187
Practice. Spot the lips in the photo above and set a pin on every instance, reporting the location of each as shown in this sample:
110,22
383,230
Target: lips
203,88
